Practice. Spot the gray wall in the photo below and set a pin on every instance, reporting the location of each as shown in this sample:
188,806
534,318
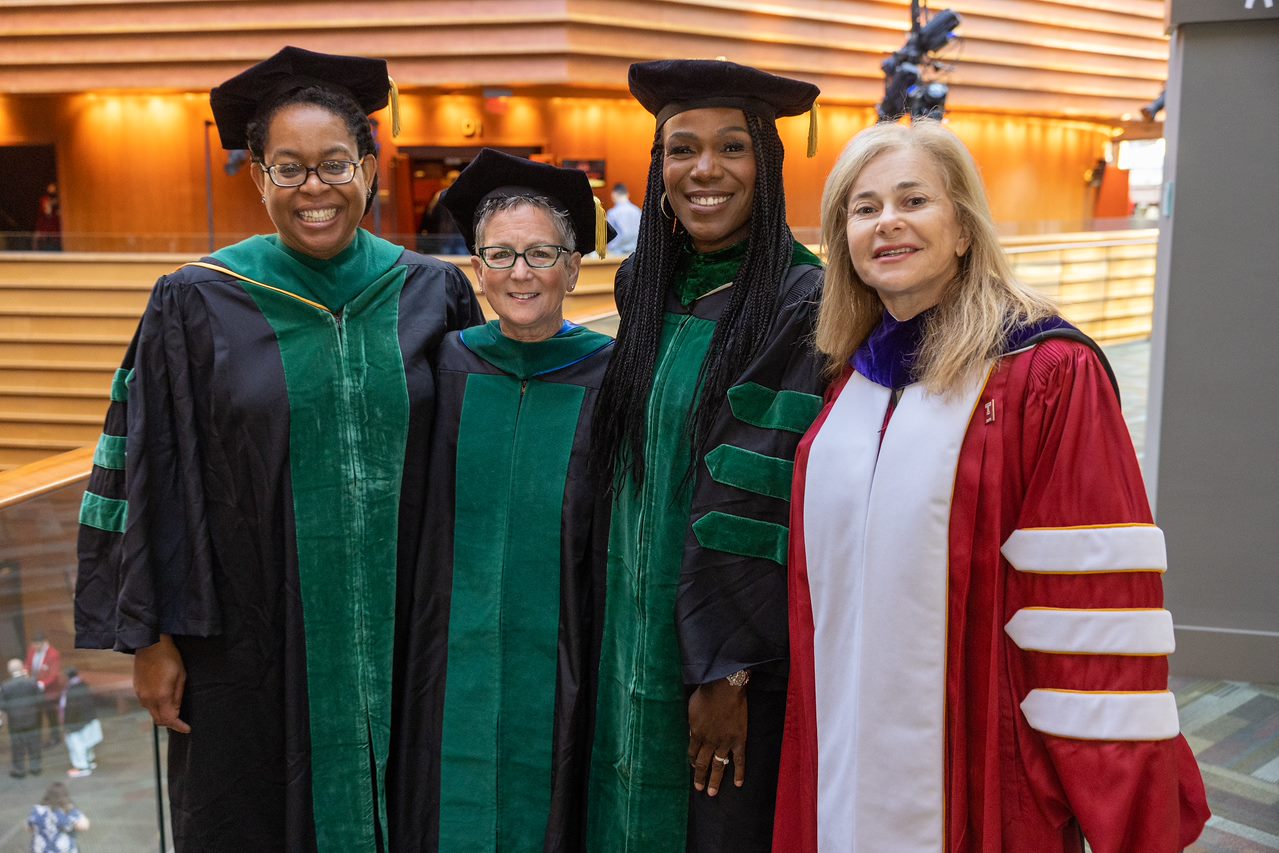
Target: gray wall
1213,440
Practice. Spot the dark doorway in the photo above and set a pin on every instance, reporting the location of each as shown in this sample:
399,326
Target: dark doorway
27,170
432,168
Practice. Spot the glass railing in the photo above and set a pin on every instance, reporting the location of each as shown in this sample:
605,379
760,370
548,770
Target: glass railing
200,243
1097,278
122,794
1103,283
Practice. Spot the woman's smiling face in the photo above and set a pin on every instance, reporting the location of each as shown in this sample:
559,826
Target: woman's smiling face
904,235
528,301
316,218
708,167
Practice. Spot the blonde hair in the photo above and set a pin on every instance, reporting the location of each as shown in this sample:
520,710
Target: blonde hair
978,309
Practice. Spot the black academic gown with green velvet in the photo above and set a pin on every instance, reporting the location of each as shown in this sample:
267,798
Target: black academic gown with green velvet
258,493
493,733
697,572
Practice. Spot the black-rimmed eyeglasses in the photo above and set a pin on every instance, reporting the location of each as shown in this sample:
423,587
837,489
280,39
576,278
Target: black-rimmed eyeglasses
332,172
537,257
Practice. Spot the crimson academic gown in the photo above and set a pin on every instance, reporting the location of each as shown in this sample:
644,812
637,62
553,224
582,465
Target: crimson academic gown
977,635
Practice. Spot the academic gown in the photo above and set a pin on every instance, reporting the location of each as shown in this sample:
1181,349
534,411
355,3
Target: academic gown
257,493
978,645
493,734
696,572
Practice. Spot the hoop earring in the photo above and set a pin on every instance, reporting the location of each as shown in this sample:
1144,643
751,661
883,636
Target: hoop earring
662,204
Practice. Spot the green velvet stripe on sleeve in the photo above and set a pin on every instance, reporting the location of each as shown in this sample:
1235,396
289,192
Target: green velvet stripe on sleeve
750,471
110,452
106,514
746,537
756,405
120,386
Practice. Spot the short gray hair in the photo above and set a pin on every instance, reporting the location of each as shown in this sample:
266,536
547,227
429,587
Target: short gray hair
498,204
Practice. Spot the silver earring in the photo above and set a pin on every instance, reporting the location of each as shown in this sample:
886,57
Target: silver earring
264,199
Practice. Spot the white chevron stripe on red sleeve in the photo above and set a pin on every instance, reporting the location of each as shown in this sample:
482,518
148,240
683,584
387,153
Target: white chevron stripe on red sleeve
1141,716
1082,550
1092,632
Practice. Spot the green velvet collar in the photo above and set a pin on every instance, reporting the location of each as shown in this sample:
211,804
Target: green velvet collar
332,283
698,274
527,360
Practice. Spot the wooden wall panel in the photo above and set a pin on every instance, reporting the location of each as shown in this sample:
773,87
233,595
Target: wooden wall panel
1043,57
130,143
132,168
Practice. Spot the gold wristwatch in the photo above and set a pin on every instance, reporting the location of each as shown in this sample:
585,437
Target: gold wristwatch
740,678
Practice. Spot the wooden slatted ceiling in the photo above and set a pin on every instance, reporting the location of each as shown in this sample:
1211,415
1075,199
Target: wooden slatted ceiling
1045,57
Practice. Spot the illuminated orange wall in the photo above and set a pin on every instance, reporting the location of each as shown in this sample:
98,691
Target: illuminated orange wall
131,170
1033,167
133,164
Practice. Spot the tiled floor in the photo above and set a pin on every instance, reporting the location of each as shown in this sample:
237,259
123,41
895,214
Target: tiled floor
1234,730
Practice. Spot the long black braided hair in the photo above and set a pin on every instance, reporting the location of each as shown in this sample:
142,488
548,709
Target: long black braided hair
621,412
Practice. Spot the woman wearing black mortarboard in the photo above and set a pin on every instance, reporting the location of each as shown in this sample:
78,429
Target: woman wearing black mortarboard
493,733
713,381
257,493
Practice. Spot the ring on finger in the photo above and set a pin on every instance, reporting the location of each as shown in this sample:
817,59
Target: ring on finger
721,759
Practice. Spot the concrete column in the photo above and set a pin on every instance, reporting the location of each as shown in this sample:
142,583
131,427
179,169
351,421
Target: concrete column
1212,446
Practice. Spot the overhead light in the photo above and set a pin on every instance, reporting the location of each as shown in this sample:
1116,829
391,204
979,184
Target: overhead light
906,91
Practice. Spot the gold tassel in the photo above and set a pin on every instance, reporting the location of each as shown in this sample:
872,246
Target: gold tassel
395,108
601,228
812,130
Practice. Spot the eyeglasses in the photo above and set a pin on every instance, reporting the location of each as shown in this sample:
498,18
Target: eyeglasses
332,172
537,257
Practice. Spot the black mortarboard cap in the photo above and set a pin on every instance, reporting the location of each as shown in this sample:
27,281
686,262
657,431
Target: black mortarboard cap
238,100
494,174
667,87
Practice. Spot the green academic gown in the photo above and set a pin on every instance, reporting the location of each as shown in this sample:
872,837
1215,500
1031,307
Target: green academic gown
493,731
696,572
257,493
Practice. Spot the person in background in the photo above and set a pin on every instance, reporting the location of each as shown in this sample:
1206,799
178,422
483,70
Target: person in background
44,664
441,233
81,728
252,521
55,822
712,383
978,644
494,729
624,218
20,699
47,234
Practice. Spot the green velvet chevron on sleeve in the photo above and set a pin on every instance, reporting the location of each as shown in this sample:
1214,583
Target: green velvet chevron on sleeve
793,411
750,471
746,537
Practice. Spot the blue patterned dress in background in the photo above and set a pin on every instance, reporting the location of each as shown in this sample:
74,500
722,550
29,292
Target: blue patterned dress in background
53,830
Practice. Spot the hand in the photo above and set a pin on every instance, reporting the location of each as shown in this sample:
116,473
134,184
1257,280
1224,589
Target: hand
717,729
159,679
